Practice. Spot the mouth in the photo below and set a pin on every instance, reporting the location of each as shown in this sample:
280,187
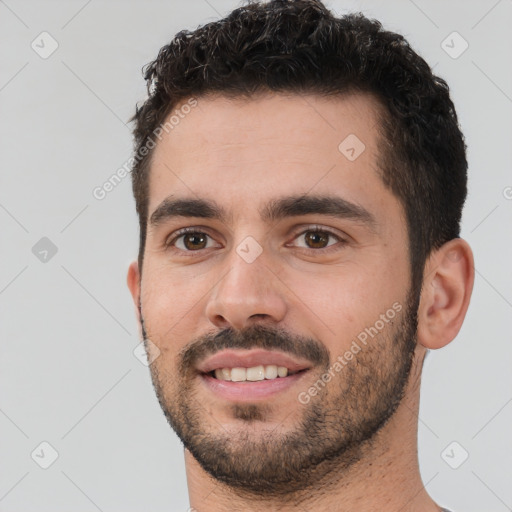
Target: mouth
243,376
253,374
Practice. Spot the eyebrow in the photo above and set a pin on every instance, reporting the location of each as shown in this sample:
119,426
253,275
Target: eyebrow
274,210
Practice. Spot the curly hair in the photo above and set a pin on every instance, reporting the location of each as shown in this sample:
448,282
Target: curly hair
299,46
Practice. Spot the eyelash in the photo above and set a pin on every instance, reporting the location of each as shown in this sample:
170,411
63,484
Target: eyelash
313,229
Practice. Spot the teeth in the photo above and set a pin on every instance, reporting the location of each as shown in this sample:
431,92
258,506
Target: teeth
255,373
238,374
270,371
223,374
282,371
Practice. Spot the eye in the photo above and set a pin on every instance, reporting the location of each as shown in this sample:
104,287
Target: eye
189,239
317,239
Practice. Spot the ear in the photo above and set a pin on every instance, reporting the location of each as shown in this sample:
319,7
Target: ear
133,281
447,286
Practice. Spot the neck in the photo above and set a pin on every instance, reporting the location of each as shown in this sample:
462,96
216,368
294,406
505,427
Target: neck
385,478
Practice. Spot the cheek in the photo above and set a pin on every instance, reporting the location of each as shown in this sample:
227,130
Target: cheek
345,301
170,305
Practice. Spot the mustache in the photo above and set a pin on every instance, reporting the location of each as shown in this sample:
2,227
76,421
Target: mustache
255,336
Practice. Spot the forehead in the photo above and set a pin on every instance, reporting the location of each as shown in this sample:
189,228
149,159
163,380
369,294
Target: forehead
218,120
240,150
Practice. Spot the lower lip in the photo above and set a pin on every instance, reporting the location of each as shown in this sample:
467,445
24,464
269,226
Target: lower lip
249,391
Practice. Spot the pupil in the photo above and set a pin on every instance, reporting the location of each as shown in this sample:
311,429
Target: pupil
192,239
314,237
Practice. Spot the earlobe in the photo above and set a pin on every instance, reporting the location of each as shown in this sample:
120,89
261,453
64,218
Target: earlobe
133,282
447,286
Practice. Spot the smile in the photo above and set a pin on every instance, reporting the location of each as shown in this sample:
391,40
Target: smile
253,374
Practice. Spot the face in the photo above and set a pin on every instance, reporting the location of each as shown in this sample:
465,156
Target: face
295,262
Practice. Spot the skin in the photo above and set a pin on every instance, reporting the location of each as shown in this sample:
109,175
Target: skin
241,153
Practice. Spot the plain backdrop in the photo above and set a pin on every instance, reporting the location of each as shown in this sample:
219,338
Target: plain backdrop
68,374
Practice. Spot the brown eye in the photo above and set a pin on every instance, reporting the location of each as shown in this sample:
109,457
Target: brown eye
317,239
193,241
189,240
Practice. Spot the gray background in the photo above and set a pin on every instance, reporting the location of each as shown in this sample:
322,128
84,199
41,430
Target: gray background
68,375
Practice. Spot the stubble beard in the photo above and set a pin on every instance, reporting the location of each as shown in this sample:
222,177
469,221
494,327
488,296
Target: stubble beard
333,431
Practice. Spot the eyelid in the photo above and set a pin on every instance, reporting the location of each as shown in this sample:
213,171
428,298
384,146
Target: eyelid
317,227
342,239
175,235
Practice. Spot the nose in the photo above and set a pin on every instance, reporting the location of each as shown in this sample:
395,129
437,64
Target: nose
248,293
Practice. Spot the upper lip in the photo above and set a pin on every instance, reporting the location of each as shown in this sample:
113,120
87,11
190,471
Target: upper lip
250,358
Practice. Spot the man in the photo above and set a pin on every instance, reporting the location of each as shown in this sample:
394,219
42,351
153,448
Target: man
299,180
